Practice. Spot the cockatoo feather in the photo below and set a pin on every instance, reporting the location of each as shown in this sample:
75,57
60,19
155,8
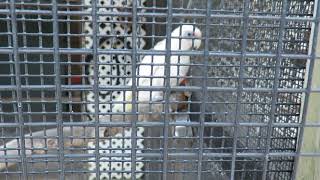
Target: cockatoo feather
151,70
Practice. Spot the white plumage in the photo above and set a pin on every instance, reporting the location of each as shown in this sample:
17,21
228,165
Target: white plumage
151,70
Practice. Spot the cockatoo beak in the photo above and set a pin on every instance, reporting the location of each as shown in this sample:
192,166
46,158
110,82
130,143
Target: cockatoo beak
197,35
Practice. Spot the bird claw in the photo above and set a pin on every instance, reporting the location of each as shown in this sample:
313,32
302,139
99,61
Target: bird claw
187,94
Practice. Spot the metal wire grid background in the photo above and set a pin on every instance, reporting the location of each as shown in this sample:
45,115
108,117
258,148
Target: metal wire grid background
245,81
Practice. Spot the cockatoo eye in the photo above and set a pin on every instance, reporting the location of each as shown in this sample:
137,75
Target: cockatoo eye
189,34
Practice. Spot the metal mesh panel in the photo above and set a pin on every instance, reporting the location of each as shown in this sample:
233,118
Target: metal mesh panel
68,66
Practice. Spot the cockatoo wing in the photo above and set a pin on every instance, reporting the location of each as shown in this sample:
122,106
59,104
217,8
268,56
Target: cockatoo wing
151,72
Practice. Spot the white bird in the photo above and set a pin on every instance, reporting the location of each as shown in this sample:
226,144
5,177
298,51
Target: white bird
151,70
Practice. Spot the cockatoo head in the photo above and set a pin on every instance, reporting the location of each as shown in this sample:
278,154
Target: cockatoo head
188,36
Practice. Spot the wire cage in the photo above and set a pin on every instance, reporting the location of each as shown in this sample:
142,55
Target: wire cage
238,112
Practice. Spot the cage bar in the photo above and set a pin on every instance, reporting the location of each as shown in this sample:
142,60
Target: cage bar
74,82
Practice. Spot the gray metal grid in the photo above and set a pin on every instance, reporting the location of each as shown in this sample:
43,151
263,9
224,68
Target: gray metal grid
247,83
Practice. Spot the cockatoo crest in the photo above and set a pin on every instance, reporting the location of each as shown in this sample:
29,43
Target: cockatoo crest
188,36
185,37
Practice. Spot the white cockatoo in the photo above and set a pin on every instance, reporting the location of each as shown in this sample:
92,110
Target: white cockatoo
151,70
